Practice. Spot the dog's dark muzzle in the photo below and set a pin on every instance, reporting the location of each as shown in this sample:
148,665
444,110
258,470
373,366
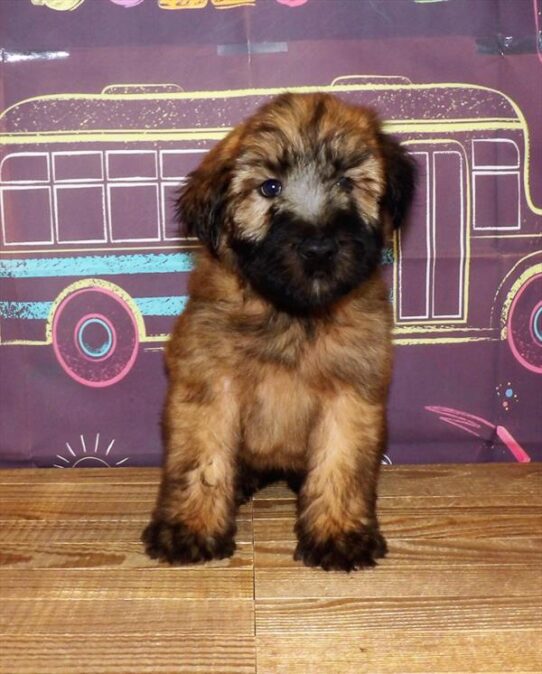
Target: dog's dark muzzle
317,254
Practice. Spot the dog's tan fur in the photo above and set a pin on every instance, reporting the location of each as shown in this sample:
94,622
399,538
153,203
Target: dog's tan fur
255,388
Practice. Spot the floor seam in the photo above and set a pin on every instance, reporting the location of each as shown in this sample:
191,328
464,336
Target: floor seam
254,591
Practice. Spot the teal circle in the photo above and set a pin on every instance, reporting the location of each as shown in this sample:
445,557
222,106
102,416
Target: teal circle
95,351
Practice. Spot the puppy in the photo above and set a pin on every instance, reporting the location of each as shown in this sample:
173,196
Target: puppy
282,357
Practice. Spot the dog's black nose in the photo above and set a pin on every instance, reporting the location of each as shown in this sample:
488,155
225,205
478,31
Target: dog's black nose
317,250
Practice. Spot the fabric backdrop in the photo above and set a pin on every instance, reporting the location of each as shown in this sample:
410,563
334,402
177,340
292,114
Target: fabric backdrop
107,104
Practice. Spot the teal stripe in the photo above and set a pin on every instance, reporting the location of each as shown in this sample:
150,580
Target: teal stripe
109,265
149,306
97,265
36,310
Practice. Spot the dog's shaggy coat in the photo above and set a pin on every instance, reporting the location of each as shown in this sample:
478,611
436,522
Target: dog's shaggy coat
282,357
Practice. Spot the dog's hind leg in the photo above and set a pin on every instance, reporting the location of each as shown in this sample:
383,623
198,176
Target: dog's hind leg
194,519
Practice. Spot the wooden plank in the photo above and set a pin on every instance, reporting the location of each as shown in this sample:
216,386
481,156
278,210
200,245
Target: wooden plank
275,522
124,529
464,485
105,556
404,480
286,501
11,476
439,553
510,479
127,653
402,651
67,500
477,522
213,580
153,615
415,614
387,580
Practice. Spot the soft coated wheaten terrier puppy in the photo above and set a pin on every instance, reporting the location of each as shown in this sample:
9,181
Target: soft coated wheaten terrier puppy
282,357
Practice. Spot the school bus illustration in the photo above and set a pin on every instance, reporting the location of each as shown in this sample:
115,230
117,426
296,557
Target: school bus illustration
92,263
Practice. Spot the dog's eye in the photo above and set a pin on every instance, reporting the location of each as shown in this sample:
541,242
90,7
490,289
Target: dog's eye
270,188
345,183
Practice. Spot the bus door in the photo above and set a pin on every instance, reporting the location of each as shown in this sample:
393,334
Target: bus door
431,250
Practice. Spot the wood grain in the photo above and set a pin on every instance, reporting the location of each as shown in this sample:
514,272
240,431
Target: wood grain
118,614
415,614
403,651
460,591
87,531
64,500
128,654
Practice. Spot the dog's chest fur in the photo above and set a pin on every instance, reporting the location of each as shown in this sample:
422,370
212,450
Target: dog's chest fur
276,414
291,370
279,371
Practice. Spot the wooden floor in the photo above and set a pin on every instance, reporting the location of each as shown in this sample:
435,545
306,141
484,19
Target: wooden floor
460,592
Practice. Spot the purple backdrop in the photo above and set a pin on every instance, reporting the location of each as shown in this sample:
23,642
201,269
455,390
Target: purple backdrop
106,105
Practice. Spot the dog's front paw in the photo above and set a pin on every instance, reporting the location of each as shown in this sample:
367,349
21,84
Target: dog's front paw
176,544
347,552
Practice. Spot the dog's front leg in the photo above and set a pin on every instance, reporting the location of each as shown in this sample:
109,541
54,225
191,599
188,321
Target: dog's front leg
337,526
194,519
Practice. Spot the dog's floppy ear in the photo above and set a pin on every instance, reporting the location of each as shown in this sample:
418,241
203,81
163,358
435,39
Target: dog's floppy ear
202,201
400,171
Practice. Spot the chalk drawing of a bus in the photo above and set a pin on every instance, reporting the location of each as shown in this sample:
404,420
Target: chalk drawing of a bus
93,265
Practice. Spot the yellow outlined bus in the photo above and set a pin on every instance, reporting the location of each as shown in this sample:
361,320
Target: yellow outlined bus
92,263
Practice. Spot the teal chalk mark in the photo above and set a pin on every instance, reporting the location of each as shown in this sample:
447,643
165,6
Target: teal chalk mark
387,256
149,306
34,310
110,265
97,265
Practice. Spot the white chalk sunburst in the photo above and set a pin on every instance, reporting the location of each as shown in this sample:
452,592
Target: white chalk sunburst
89,454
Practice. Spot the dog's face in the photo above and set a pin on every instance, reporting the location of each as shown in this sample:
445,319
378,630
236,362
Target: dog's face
298,198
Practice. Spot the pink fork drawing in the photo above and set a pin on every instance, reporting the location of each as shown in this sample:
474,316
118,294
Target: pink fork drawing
474,425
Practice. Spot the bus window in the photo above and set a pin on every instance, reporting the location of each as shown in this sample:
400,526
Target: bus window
31,167
172,231
25,203
79,197
133,212
26,215
496,184
80,213
133,200
76,167
175,165
131,165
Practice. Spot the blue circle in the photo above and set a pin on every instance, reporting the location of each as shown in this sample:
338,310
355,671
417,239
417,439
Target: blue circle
509,392
95,351
537,324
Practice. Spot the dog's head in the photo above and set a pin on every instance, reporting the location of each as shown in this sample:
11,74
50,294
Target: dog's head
298,199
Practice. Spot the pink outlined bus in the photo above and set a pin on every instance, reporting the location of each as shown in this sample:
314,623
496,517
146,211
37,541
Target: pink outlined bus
92,263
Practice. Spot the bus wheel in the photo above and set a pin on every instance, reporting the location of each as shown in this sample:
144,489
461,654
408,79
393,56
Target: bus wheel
524,324
95,336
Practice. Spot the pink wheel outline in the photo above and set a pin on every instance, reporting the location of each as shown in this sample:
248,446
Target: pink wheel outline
510,338
537,308
111,327
85,382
